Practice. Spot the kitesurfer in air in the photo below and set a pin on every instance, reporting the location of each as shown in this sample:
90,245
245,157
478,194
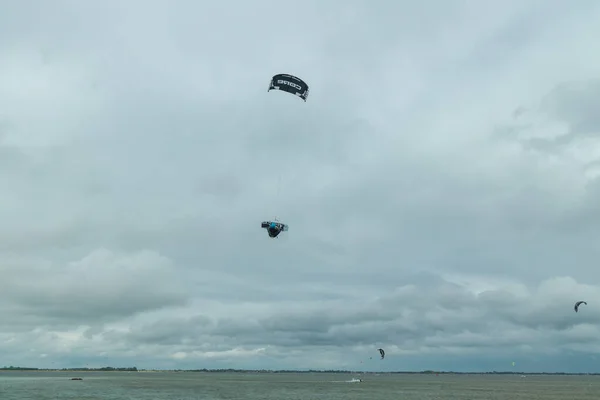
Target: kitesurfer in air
274,228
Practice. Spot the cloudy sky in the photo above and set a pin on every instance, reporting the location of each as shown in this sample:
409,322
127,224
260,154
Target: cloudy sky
440,184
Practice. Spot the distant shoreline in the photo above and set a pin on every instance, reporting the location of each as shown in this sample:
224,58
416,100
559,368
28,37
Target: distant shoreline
284,371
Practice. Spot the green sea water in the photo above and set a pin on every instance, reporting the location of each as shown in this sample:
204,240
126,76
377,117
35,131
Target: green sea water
291,386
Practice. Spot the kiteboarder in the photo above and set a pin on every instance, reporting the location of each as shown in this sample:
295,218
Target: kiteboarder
274,228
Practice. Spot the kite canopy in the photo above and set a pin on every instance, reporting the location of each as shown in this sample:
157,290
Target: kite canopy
578,304
291,84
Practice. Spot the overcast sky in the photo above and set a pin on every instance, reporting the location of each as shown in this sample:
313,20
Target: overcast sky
439,184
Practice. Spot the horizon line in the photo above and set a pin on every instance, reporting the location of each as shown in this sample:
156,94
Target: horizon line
307,370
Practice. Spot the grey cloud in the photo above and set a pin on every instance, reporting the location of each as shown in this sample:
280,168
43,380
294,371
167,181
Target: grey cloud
100,286
139,138
444,316
577,103
574,104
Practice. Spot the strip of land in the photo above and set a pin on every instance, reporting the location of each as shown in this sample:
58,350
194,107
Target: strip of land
284,371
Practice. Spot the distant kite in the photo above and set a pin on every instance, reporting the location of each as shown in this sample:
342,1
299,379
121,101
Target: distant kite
578,304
